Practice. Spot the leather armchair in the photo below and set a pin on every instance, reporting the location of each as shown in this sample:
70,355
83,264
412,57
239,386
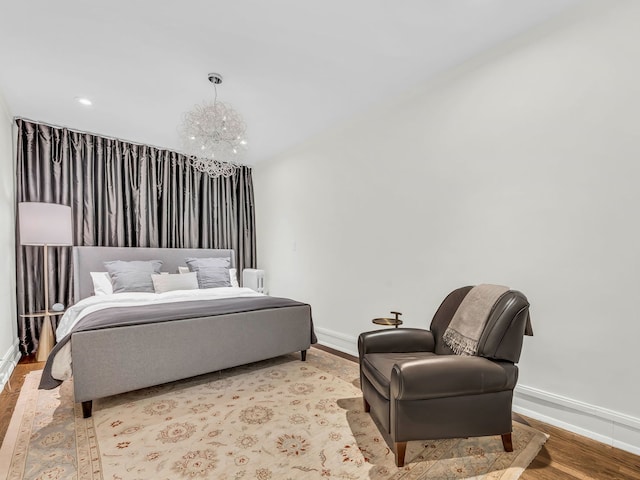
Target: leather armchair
416,388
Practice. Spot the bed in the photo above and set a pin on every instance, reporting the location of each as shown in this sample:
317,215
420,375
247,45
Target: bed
117,359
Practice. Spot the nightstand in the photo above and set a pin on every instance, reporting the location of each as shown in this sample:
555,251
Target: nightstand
47,339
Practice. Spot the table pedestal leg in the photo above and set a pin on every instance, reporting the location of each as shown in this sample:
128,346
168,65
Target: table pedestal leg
46,341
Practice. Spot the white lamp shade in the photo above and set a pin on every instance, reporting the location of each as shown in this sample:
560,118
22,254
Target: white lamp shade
45,224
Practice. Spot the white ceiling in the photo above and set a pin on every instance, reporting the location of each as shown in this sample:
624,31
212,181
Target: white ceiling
290,67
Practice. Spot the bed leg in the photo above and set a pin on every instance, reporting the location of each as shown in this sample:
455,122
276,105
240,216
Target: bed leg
303,355
86,408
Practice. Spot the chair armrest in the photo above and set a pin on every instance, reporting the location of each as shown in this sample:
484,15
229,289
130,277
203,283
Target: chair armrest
397,340
449,376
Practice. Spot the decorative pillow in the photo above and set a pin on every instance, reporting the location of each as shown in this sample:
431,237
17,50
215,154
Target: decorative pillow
101,283
213,277
233,275
167,283
212,272
132,276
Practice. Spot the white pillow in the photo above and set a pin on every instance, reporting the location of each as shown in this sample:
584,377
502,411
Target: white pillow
233,275
101,283
168,283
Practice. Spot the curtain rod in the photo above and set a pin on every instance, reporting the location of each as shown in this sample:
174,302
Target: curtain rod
84,132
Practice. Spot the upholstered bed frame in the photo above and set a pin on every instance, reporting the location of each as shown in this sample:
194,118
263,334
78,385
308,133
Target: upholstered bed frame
116,360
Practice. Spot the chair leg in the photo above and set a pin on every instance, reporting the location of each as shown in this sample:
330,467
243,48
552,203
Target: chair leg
367,407
400,449
507,442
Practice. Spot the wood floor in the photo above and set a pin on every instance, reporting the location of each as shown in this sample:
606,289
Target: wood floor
9,396
564,456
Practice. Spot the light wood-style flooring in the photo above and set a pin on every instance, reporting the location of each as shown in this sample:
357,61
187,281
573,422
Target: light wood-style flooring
564,456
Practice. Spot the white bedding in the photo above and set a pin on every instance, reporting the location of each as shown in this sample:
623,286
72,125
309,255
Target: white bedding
88,305
61,366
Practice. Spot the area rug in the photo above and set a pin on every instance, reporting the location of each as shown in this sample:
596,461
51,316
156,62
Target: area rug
274,420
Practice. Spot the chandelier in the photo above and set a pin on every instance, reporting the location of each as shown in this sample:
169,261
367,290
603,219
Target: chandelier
212,135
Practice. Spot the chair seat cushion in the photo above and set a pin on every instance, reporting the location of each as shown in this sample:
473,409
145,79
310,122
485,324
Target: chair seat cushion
425,375
377,367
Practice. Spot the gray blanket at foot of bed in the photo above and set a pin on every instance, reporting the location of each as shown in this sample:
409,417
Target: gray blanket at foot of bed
138,315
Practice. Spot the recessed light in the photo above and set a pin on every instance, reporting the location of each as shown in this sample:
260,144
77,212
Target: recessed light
84,101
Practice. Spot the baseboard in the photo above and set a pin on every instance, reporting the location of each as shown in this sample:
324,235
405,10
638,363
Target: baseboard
8,363
338,341
600,424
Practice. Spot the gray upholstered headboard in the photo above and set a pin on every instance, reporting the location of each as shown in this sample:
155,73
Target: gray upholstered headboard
90,259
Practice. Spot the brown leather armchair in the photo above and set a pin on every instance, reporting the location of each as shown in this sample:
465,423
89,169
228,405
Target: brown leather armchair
416,388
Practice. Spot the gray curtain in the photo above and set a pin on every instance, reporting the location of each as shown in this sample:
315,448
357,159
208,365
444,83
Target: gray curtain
121,194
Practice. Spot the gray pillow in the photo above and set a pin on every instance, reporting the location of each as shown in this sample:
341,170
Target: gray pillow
212,272
132,276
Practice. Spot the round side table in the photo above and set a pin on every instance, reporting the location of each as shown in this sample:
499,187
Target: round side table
396,322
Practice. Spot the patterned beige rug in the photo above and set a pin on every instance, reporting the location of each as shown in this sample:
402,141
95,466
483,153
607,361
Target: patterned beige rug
274,420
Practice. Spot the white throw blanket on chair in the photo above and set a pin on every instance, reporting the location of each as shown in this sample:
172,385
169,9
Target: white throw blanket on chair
467,324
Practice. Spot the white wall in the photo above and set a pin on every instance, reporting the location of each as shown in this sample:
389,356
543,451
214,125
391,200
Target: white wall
9,353
520,168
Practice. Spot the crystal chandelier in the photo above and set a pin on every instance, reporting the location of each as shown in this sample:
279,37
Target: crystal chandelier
212,135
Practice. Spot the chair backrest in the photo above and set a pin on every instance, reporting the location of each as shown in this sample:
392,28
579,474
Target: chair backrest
503,334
